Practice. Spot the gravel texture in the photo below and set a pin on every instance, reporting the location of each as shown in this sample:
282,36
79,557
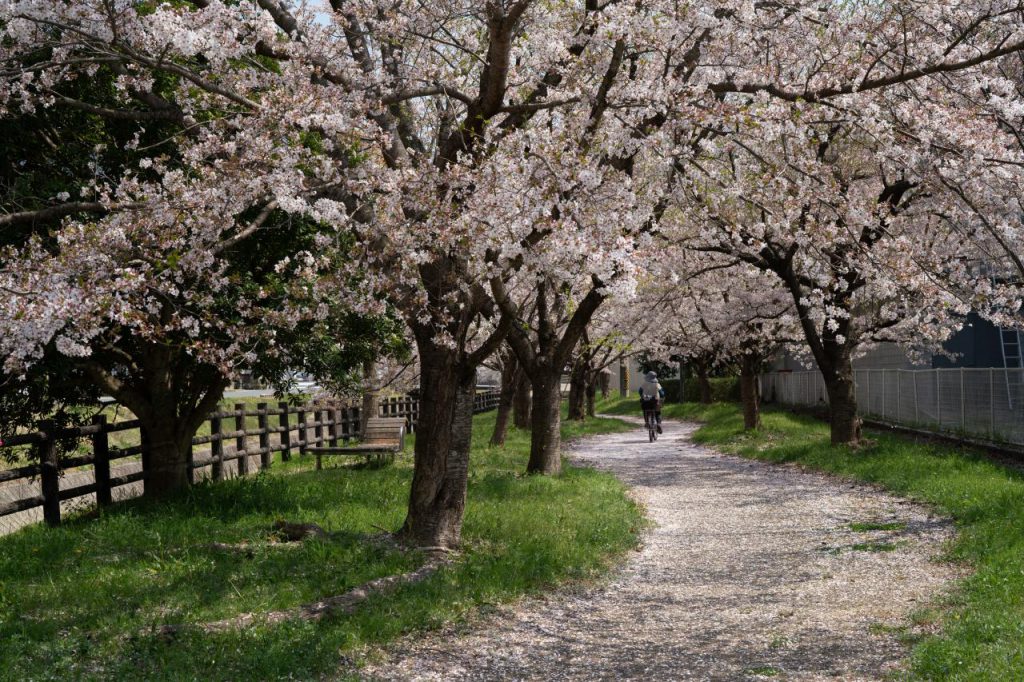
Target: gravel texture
751,571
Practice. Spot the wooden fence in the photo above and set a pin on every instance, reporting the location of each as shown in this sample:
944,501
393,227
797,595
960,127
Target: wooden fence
283,429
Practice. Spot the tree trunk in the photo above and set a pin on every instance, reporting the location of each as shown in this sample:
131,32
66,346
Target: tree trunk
167,455
371,396
684,376
606,385
546,437
591,393
842,398
704,385
444,430
749,393
578,391
171,395
509,381
522,403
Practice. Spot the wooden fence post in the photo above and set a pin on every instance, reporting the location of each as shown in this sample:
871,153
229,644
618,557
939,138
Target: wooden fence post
144,447
335,426
303,431
101,460
49,473
243,461
286,434
319,417
217,448
264,425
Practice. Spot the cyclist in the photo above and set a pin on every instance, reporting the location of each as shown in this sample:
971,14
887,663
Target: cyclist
652,395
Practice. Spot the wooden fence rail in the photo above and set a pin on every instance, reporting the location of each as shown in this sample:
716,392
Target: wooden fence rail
314,424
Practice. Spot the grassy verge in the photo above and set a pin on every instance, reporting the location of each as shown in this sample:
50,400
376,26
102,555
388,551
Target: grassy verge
982,632
77,602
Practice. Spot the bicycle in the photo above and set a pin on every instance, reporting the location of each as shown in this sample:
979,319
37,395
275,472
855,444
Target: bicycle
651,421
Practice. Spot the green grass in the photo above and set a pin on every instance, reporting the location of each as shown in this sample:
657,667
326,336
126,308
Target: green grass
870,526
79,602
982,631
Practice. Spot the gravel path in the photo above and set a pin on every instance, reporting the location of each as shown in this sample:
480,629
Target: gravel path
751,572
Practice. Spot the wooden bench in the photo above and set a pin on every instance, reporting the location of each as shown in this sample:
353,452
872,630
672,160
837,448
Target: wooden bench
383,438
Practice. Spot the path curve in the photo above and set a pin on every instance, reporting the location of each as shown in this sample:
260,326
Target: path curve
751,572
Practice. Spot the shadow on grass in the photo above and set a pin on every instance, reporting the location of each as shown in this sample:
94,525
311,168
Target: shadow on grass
81,601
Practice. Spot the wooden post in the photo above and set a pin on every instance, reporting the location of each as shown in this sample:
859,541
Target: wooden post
49,473
286,434
264,424
101,460
243,463
335,428
217,448
319,417
146,468
303,432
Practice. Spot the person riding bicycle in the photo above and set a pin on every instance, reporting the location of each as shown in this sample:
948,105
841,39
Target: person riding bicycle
652,395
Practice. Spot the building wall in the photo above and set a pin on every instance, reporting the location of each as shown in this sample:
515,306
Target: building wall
882,356
978,344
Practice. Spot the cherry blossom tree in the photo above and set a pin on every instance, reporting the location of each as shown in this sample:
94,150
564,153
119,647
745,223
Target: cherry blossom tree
447,150
728,314
172,257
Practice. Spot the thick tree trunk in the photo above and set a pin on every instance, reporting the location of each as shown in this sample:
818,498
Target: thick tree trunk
591,393
546,438
606,385
578,391
443,434
842,398
167,455
171,396
704,385
522,403
749,394
509,380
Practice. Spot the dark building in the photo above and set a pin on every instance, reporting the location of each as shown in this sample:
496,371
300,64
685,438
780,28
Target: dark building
982,344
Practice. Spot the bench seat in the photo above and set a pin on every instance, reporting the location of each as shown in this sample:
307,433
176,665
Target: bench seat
383,436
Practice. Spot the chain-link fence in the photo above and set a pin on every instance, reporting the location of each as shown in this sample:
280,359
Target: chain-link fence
985,404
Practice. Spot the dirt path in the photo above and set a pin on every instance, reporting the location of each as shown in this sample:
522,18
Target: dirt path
752,571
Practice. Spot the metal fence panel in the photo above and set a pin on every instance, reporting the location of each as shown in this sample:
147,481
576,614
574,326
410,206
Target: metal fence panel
986,403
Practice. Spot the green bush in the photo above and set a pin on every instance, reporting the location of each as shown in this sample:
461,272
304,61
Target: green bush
723,390
671,387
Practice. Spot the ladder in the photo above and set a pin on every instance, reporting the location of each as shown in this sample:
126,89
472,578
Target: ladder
1011,345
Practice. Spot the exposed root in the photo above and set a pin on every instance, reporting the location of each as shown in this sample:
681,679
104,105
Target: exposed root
296,532
436,552
339,604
